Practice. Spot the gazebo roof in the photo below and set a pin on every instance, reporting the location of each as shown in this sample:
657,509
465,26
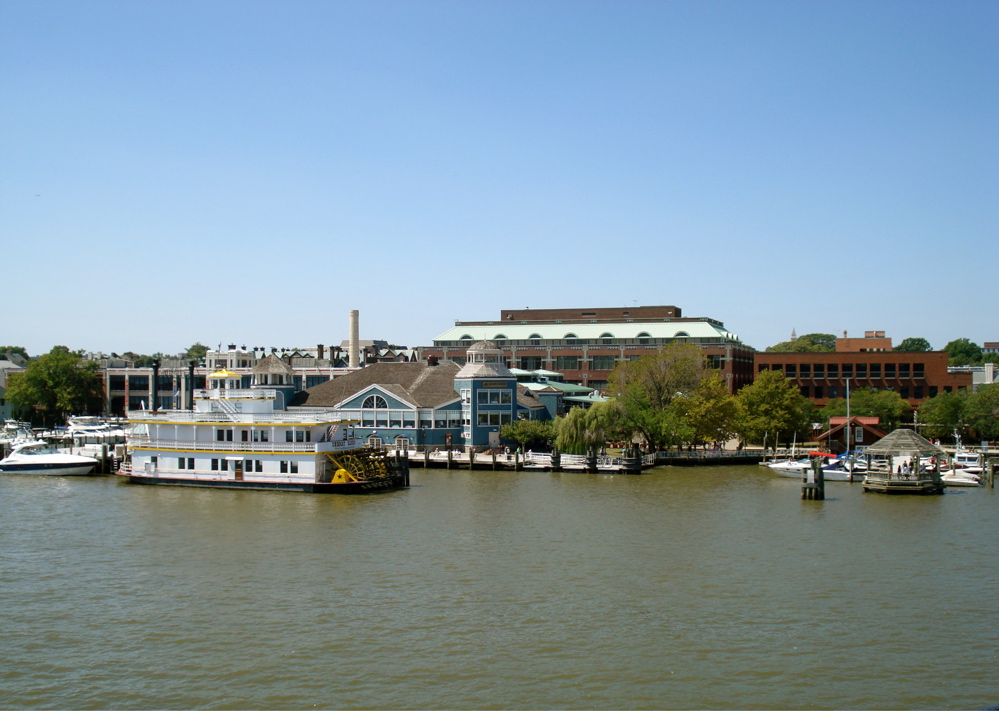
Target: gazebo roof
903,442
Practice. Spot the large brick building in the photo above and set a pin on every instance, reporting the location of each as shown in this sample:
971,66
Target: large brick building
866,362
585,344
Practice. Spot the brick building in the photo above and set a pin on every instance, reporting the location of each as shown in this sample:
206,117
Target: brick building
586,344
821,377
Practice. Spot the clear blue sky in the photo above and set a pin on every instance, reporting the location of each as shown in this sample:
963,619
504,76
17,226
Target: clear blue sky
248,172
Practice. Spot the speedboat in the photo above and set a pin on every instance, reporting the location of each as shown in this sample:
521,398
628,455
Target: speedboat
39,457
960,478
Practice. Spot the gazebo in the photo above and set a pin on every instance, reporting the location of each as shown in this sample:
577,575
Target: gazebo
904,473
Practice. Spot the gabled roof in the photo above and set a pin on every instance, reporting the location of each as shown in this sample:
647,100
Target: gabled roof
864,422
418,383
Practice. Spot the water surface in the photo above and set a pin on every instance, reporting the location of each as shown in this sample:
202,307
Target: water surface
680,588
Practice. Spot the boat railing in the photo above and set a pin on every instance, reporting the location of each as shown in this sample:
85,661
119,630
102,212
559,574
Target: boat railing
182,417
142,442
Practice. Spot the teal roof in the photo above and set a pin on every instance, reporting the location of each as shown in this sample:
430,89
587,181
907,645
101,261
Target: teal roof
563,387
590,331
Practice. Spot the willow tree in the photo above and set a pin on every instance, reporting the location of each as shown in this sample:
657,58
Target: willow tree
649,392
585,429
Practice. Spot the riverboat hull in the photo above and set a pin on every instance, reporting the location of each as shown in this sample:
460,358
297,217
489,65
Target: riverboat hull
393,481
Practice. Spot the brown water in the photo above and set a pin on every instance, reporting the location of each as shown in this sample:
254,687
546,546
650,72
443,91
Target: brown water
682,588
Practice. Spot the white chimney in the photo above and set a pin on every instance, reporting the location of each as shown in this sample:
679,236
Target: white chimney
354,354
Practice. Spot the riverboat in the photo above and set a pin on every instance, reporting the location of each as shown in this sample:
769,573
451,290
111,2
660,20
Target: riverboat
238,438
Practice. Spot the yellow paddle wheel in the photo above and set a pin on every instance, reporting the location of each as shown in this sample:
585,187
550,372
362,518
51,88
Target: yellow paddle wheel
362,465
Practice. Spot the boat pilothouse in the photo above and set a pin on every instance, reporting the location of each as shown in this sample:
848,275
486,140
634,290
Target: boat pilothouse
236,437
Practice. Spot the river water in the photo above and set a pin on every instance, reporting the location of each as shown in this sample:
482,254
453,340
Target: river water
681,588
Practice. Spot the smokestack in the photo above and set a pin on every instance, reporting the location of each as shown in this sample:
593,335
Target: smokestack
354,341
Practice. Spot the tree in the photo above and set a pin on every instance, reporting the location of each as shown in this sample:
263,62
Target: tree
914,345
887,405
646,389
712,412
942,414
961,351
773,407
585,429
55,385
982,412
5,351
808,343
196,352
529,434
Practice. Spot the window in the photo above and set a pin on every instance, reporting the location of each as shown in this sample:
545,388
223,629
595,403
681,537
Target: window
903,370
833,391
245,435
300,436
714,361
535,339
832,370
918,392
604,362
375,441
466,396
220,436
643,338
284,467
530,363
889,370
806,370
607,338
182,463
933,391
875,370
820,370
918,370
288,436
762,367
848,370
861,370
818,391
791,370
567,362
494,397
904,392
804,391
215,465
374,402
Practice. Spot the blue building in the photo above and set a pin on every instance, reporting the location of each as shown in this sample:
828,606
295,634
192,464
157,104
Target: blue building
428,404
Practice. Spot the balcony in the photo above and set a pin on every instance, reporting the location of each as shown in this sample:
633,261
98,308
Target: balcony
142,442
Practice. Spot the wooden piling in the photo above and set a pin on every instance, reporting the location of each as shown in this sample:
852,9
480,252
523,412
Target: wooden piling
813,482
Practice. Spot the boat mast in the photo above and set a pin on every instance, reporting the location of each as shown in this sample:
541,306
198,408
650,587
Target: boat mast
848,416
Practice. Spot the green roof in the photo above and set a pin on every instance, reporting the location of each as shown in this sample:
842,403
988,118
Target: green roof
590,331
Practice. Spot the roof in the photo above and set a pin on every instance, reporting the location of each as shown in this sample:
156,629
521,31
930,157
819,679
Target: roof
272,364
593,331
224,374
864,422
860,420
904,442
554,386
419,383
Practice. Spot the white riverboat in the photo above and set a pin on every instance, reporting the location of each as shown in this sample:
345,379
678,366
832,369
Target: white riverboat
40,458
238,438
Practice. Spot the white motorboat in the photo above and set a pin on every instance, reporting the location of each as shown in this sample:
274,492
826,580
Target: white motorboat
837,470
960,478
39,457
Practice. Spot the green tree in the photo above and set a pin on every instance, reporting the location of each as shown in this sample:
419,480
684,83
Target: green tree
18,350
982,412
55,385
773,407
583,429
196,352
961,351
808,343
914,345
646,390
942,414
529,434
887,405
711,411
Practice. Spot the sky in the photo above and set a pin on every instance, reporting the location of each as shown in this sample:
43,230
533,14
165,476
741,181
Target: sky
248,172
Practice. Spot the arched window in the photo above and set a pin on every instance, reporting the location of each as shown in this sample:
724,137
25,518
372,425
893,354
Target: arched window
374,402
535,339
402,443
570,338
643,338
681,334
374,441
466,337
607,337
499,337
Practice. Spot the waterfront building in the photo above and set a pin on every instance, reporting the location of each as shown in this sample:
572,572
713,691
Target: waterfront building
586,344
428,404
821,377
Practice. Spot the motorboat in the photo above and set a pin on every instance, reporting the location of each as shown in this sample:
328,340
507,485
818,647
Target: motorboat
841,468
960,478
38,457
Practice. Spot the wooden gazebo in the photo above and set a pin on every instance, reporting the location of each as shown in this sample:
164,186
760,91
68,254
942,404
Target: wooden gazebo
904,474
